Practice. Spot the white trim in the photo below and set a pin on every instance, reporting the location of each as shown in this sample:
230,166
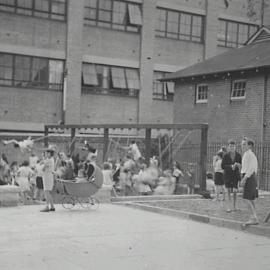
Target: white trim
238,98
197,92
110,61
238,19
167,68
202,101
32,51
173,6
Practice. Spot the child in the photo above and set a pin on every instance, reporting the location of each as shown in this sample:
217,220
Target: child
218,177
25,145
24,175
39,194
210,184
107,175
177,173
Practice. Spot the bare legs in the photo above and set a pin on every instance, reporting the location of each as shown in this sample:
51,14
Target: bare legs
229,191
251,207
49,201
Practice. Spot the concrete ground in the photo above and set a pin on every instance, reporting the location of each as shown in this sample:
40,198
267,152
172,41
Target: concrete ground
118,237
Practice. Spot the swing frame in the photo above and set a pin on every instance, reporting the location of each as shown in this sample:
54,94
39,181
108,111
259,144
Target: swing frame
48,129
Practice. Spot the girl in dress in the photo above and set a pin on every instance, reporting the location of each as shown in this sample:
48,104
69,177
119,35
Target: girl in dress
218,177
23,179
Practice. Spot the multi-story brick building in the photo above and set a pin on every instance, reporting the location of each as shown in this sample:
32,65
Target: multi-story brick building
230,92
97,61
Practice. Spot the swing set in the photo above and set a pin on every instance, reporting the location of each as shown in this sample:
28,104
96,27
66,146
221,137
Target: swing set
145,133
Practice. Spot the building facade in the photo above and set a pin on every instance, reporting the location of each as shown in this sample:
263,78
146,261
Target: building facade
230,92
98,61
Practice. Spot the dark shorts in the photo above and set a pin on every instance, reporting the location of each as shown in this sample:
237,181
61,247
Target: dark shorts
231,183
250,188
39,182
219,180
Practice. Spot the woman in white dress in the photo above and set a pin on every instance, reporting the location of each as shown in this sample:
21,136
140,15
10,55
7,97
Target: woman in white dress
48,179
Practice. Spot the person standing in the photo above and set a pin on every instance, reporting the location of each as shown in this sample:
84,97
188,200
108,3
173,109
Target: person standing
249,182
48,179
231,164
218,177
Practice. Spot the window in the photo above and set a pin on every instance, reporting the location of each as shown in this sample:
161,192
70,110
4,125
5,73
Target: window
101,79
233,34
238,90
114,14
179,25
52,9
162,90
201,93
27,71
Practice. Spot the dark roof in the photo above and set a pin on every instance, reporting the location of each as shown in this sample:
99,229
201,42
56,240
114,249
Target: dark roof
251,56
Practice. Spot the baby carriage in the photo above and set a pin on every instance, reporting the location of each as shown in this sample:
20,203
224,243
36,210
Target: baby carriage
81,192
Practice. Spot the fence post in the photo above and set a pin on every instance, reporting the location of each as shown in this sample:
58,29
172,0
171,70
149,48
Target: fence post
46,138
203,158
147,144
105,143
72,135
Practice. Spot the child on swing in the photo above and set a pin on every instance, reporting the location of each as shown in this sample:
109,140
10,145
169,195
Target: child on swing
25,145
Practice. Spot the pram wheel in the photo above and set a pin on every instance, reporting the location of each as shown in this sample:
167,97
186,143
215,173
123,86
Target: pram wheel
89,203
68,202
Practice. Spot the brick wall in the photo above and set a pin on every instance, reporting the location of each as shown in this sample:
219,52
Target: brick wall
30,105
104,109
226,119
35,32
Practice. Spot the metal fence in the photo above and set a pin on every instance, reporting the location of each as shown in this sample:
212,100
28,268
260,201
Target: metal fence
191,153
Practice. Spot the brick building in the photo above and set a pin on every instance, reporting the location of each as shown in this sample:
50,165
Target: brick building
230,91
89,61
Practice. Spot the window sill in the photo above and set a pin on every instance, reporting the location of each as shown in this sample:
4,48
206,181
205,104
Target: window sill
177,39
238,98
111,28
58,89
201,101
111,92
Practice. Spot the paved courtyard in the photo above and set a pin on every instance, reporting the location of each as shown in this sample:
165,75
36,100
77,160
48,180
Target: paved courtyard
118,237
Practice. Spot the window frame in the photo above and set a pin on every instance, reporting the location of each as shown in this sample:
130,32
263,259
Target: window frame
33,12
197,100
31,83
190,37
235,98
224,42
165,95
126,25
100,89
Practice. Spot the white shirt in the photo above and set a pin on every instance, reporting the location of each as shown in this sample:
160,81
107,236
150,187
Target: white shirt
249,163
135,151
217,165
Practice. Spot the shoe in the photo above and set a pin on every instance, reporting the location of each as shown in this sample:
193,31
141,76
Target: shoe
251,222
228,210
45,210
52,209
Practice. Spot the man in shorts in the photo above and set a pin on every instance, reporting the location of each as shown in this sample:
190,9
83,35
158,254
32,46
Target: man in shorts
249,182
231,163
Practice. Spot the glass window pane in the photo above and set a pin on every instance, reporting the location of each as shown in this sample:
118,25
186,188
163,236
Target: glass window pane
119,12
40,72
232,34
185,26
42,5
243,33
6,69
135,15
172,24
25,3
22,70
89,74
197,26
133,80
59,7
56,69
90,3
118,78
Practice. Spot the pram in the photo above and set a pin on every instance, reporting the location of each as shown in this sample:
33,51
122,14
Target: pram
82,192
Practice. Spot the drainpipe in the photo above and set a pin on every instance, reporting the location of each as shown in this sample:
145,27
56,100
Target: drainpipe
64,98
262,12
